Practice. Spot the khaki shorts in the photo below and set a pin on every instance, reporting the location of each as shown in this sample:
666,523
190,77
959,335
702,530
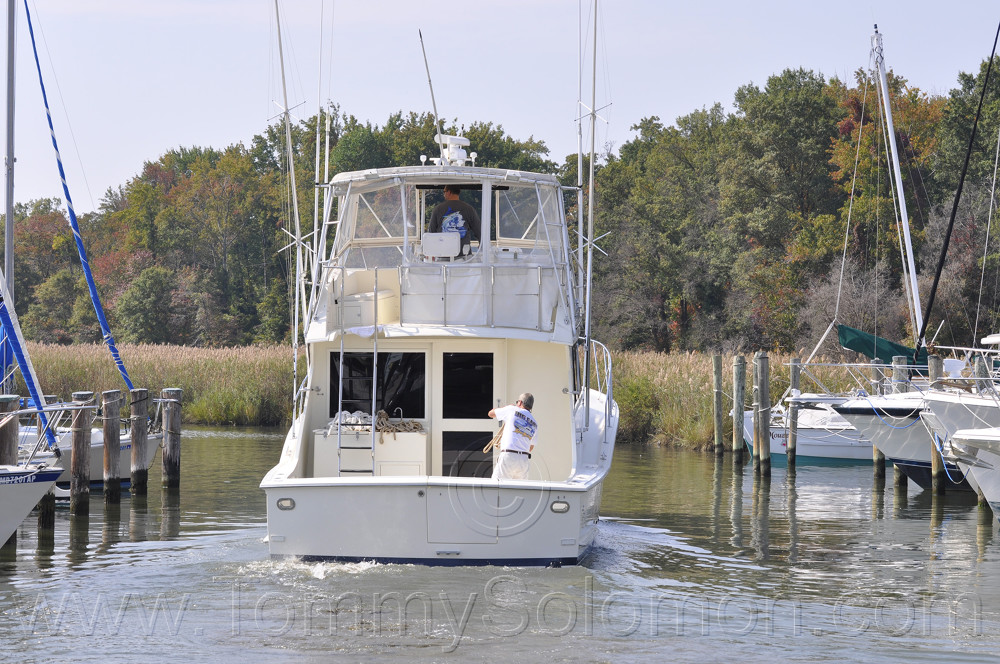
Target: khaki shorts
511,466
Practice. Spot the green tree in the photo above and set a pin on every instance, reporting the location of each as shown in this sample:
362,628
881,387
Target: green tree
144,309
49,315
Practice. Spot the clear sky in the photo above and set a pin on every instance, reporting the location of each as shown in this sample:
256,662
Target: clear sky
131,79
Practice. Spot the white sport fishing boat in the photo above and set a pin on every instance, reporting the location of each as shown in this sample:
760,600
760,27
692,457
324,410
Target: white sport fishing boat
428,342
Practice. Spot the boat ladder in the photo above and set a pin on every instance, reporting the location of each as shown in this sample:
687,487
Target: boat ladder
355,453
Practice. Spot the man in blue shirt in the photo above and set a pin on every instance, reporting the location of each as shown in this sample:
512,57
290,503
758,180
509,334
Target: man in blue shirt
454,215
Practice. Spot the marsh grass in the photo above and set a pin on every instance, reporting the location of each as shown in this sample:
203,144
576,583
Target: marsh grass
242,386
663,398
666,398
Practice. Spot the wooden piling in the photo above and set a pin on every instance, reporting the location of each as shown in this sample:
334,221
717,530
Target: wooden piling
112,430
739,397
755,374
47,512
900,375
878,464
171,455
793,411
765,419
8,433
138,429
717,404
935,371
878,457
8,442
79,481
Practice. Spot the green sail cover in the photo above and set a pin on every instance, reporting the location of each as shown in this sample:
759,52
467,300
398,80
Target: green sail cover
877,348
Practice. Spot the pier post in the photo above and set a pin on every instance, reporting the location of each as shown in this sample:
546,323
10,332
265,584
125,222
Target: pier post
935,371
112,430
8,433
171,456
717,404
79,479
983,386
900,375
739,397
765,415
755,375
8,443
793,411
138,431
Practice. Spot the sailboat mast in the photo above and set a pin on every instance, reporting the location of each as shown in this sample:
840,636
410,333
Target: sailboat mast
579,158
916,313
8,235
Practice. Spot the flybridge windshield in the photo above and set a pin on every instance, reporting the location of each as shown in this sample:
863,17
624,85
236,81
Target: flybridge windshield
387,226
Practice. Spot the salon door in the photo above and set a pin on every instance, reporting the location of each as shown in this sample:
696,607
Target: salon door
471,376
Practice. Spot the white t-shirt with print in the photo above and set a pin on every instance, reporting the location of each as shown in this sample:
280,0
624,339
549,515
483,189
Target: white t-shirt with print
520,428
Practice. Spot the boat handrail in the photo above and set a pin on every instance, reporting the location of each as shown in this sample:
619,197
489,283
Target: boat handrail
601,368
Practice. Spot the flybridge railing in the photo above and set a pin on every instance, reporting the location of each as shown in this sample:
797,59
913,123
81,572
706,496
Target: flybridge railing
521,297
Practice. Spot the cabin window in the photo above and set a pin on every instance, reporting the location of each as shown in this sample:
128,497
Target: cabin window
400,386
380,214
467,385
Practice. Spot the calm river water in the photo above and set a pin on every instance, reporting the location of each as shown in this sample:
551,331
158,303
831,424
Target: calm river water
695,562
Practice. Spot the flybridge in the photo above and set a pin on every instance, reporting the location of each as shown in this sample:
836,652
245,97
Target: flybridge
518,276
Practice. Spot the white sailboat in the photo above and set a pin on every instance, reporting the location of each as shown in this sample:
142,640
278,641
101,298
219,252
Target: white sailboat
22,484
405,329
21,487
56,410
846,426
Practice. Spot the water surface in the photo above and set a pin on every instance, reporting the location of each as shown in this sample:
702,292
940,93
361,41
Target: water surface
694,562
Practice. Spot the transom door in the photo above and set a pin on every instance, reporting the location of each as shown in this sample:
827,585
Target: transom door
472,376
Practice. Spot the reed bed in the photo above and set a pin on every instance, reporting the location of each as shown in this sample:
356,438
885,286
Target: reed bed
666,398
240,386
663,398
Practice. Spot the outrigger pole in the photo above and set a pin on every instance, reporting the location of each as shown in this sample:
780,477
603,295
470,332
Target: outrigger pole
299,285
590,224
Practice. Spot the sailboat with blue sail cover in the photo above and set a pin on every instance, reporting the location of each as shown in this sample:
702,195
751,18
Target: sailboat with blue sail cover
62,431
23,481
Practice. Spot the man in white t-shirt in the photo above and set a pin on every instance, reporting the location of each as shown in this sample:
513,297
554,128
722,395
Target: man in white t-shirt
518,438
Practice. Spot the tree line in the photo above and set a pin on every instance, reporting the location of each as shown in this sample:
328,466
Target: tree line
756,229
736,231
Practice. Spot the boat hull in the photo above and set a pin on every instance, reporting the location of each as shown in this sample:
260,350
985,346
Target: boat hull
950,412
820,436
986,466
433,520
20,491
97,456
892,424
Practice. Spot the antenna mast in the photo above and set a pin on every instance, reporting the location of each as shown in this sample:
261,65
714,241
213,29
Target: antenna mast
437,120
